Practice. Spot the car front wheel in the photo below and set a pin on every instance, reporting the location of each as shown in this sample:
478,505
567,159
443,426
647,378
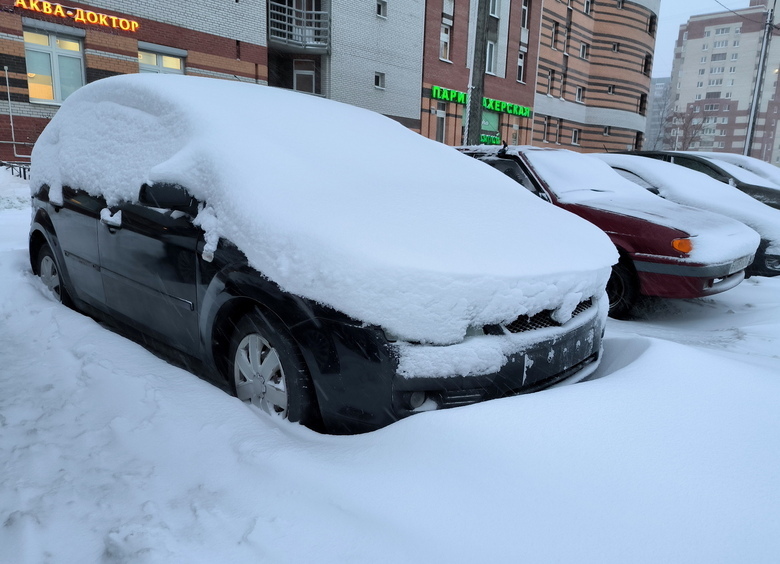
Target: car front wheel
50,274
266,370
622,290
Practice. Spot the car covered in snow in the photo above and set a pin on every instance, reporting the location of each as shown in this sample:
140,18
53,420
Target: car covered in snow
754,185
666,250
306,254
686,186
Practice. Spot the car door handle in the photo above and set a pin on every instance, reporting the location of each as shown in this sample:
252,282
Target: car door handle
112,220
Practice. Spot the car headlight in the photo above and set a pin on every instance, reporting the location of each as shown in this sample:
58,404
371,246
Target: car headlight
684,245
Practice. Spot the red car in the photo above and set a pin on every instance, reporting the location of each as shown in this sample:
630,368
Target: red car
666,249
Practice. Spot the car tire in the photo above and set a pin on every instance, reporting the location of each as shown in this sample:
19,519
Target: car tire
622,289
266,370
51,274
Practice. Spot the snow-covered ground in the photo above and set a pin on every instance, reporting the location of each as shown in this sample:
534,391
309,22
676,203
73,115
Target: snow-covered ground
109,454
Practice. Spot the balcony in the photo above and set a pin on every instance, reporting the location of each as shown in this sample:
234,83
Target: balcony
298,30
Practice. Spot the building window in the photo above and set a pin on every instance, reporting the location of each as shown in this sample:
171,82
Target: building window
717,70
545,128
616,47
55,65
579,94
620,4
700,84
584,50
441,121
736,43
647,66
554,35
610,89
732,70
718,57
698,96
521,67
652,25
607,130
159,63
550,81
734,56
642,104
722,30
490,62
525,13
494,8
305,76
720,44
381,8
702,71
575,136
558,129
444,42
586,7
379,80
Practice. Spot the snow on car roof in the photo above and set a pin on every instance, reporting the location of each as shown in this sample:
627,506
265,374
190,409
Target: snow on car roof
334,203
687,186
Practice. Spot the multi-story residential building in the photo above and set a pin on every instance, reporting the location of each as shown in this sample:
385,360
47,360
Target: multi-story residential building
713,83
510,69
595,60
407,59
660,109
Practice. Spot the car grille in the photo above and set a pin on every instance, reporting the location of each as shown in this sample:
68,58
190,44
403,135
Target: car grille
541,320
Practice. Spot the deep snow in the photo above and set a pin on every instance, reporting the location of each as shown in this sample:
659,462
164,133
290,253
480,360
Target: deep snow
109,454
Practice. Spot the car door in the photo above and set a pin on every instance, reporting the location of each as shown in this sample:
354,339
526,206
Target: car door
149,264
76,223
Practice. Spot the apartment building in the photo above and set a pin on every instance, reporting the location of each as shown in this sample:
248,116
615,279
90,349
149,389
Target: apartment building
714,76
567,72
595,61
510,70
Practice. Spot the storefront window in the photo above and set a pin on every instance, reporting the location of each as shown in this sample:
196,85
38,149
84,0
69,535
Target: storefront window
159,63
55,68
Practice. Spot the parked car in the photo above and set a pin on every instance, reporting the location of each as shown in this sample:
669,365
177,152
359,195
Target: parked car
666,250
345,281
758,187
761,168
685,186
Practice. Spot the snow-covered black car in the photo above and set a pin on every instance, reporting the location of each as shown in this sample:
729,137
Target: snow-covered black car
307,254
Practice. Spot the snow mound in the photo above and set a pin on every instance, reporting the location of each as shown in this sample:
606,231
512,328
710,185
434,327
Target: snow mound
332,202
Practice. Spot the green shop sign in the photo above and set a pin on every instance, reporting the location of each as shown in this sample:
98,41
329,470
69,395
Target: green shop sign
449,95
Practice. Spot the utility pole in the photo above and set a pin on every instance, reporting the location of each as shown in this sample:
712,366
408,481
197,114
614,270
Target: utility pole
477,86
760,75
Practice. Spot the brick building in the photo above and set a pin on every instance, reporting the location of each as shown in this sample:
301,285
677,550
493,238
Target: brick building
47,50
595,61
553,73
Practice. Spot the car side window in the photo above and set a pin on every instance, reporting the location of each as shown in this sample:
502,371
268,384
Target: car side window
80,200
698,166
636,179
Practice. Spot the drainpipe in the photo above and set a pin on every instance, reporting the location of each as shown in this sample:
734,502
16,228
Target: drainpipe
11,117
760,75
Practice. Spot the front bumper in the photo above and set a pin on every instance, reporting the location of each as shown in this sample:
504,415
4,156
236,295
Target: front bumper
664,279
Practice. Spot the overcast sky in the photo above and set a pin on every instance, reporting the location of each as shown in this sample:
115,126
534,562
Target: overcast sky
673,14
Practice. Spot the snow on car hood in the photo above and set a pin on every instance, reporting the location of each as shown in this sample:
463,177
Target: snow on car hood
333,203
686,186
580,179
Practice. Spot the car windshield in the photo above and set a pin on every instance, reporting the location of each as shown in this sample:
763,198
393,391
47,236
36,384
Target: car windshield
743,175
573,177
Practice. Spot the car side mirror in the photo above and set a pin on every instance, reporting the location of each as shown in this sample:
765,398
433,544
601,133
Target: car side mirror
167,196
